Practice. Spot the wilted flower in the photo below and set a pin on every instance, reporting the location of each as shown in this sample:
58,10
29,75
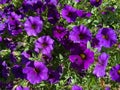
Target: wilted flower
100,68
4,69
54,75
96,44
59,32
53,14
111,8
25,55
17,71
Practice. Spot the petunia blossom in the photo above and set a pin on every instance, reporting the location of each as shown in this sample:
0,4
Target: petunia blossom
80,34
107,37
33,25
36,72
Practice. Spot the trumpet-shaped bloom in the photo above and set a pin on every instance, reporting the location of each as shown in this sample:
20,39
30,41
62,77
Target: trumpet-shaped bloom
107,37
33,26
44,45
80,34
69,13
36,72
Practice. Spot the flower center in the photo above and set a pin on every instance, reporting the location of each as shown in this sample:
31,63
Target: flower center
45,57
37,70
51,75
105,37
97,0
44,44
59,31
119,72
70,14
83,56
34,26
66,36
81,36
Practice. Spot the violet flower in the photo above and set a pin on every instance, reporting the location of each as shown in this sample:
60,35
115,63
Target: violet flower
36,72
107,37
33,26
69,13
80,34
44,45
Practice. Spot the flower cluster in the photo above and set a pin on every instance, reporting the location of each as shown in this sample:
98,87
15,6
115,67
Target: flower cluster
52,45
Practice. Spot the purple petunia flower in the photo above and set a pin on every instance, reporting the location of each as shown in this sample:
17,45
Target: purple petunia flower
33,26
59,32
36,72
14,24
13,18
76,87
80,34
44,45
22,88
15,29
115,73
107,37
99,69
81,58
69,13
96,3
